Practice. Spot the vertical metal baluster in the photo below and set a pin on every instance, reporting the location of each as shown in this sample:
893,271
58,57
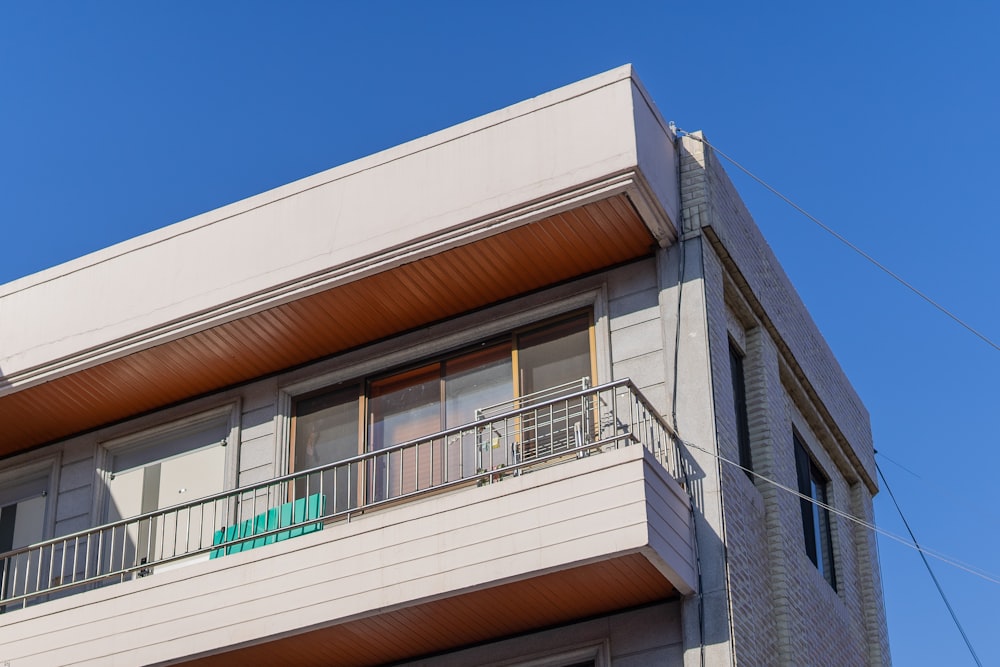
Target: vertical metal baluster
62,564
86,559
334,472
349,496
214,521
38,568
253,512
52,564
306,500
488,460
461,452
323,491
100,544
633,417
111,552
27,577
149,537
615,417
201,527
24,588
122,566
566,421
13,576
348,487
76,552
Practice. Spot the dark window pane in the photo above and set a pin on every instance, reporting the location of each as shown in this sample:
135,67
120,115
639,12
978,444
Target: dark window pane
554,355
816,528
740,404
472,382
549,357
404,407
326,431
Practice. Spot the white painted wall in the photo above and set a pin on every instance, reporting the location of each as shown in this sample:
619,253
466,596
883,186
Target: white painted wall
571,514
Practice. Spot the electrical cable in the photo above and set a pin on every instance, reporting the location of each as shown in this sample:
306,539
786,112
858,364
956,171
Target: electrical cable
673,417
954,617
912,543
845,241
944,558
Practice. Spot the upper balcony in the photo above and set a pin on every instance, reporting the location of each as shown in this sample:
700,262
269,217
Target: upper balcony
546,509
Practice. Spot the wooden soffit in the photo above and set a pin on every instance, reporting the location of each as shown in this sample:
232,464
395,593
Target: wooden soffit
432,288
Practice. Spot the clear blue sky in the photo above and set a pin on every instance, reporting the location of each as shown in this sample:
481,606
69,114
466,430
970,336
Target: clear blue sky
883,119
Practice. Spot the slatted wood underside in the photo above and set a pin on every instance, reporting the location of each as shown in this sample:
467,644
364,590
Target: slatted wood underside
462,620
523,259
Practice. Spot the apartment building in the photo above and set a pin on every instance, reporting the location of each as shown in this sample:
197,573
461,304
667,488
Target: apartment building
512,393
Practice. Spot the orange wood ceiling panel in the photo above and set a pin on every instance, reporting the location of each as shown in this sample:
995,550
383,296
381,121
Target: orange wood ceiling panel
526,258
462,620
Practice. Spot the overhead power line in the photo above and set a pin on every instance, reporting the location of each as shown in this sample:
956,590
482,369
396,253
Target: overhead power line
944,558
954,617
829,230
912,542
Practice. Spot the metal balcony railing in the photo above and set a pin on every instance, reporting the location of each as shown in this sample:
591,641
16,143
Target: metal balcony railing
506,439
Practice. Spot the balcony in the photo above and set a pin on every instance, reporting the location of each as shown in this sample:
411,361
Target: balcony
415,548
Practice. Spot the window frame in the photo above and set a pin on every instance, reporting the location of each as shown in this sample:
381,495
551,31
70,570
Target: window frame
46,470
154,434
461,331
737,370
817,522
365,381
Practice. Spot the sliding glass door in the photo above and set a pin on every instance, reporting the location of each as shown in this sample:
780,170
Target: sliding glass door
380,413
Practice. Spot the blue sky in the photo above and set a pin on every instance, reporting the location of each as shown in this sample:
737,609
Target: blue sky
881,119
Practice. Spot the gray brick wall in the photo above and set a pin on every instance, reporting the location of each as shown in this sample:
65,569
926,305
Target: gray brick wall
783,611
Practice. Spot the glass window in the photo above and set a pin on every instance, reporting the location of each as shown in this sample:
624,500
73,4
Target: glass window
326,431
437,395
472,382
816,529
475,380
22,512
405,407
23,504
554,355
176,466
740,406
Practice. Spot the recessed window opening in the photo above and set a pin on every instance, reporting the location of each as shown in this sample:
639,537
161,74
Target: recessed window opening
737,372
169,467
816,527
440,393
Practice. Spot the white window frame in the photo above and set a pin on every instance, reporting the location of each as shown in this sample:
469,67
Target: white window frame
44,466
108,449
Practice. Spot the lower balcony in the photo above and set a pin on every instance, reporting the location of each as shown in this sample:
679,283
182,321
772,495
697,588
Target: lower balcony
387,556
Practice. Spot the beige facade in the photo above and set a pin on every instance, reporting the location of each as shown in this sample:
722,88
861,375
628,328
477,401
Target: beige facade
343,422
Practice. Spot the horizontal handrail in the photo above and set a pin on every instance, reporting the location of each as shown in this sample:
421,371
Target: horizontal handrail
544,432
